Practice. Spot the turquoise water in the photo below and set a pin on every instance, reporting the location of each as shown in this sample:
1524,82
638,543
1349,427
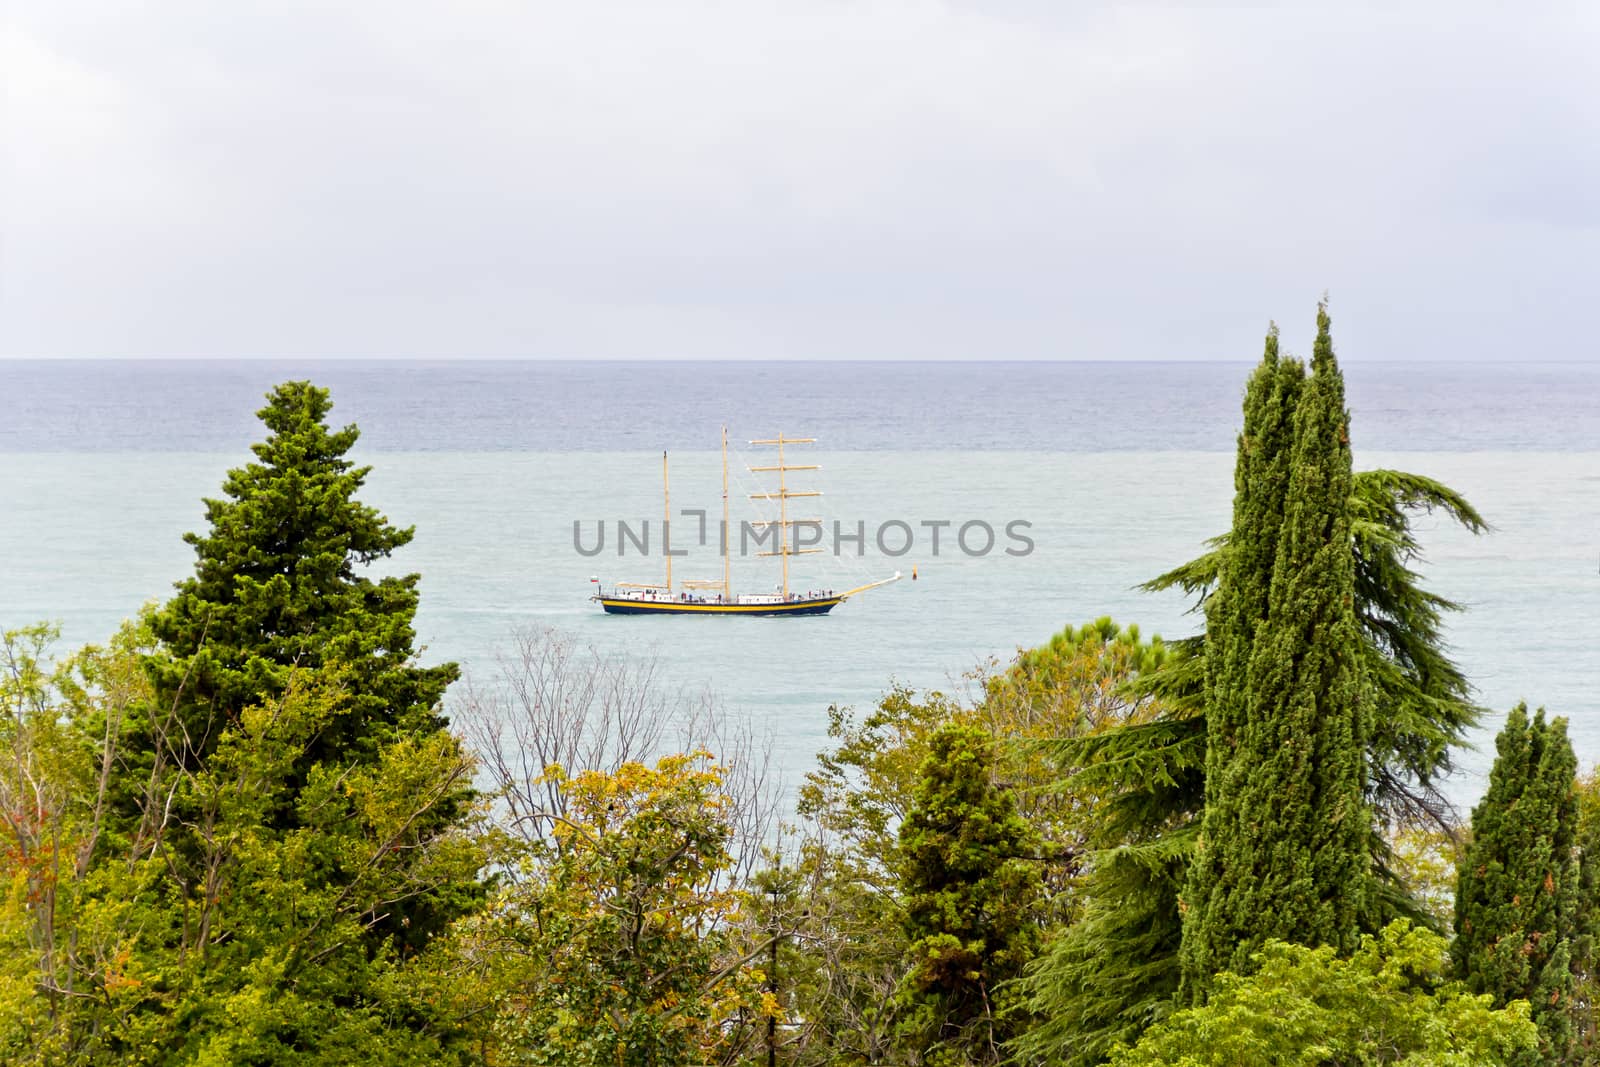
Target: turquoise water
90,535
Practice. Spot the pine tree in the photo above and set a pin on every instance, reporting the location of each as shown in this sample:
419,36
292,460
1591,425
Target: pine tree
276,590
278,598
1517,891
285,814
1286,833
968,874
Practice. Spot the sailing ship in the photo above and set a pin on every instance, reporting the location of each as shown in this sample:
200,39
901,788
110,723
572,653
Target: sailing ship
698,596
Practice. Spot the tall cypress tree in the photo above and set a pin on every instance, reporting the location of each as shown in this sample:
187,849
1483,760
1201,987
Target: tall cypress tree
1286,831
1110,975
1517,891
1261,484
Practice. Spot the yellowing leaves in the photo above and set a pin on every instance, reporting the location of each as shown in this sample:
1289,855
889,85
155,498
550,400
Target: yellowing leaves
623,914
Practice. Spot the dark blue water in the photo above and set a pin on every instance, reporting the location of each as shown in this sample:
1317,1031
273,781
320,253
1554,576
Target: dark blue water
189,406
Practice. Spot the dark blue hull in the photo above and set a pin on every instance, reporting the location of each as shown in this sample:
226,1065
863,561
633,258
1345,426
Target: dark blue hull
615,606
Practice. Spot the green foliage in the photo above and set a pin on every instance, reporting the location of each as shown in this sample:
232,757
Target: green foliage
1422,700
854,954
1238,607
1586,925
1109,969
276,589
1073,686
1423,861
1390,1003
1517,898
272,957
255,824
67,928
1075,679
265,957
1111,974
1149,776
968,872
863,787
614,940
1244,591
853,938
1285,835
279,592
1076,685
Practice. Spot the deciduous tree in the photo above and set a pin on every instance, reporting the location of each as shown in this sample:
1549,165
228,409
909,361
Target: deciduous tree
615,940
1390,1003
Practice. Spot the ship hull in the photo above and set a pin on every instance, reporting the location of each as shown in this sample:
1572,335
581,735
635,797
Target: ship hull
819,606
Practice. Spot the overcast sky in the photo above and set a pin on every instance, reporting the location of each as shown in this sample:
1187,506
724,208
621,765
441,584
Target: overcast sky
834,179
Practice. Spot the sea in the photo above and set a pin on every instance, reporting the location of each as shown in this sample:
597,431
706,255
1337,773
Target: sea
1024,496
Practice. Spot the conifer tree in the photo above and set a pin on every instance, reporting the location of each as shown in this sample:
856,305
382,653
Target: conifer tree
1586,925
279,599
1108,977
968,872
284,812
1261,484
1517,891
1285,837
276,589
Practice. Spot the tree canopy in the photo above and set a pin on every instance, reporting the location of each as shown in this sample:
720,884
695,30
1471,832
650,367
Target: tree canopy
280,586
1285,831
1517,904
1106,978
1390,1002
244,831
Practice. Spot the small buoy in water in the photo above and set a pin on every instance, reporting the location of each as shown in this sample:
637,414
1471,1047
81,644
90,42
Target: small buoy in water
913,574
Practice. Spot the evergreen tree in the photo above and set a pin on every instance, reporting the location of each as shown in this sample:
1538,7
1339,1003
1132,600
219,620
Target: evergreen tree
276,589
1114,972
968,874
1586,925
1117,970
1517,893
1285,834
1261,486
278,593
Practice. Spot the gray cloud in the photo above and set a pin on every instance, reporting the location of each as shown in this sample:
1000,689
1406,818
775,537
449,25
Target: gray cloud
835,179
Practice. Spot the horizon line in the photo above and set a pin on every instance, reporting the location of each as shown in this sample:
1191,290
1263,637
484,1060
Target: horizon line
646,360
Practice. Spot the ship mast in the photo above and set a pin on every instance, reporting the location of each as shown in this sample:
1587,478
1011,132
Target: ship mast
782,496
666,519
727,586
783,516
